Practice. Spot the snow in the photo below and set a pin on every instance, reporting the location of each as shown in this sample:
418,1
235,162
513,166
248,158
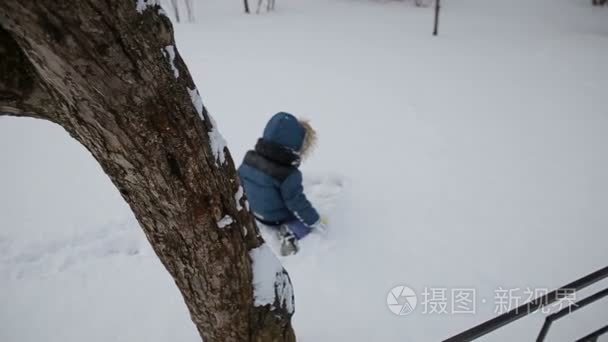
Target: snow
197,102
237,198
142,5
217,142
473,159
170,54
269,280
225,222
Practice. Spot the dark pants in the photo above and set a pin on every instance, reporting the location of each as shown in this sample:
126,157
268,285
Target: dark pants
297,227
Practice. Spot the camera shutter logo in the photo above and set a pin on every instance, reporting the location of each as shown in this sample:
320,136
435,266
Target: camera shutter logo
401,300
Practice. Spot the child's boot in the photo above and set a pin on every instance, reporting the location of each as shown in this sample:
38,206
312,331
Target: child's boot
289,242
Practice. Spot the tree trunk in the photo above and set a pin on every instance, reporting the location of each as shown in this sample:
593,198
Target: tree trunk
175,5
246,4
109,73
190,10
436,25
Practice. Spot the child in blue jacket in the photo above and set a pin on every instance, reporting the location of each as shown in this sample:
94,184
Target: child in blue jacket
273,182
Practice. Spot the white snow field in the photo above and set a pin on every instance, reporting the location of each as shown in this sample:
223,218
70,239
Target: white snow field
472,160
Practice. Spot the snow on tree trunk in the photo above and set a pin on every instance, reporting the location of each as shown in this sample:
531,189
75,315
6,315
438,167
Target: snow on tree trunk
109,73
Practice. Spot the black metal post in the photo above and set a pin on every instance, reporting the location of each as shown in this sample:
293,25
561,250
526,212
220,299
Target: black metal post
525,309
568,310
594,335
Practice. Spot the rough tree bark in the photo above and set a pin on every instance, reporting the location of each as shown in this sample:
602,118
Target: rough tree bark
108,72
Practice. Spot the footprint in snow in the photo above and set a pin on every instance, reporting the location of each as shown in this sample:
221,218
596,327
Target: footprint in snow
21,259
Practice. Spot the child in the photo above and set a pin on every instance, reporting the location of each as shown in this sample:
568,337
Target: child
273,183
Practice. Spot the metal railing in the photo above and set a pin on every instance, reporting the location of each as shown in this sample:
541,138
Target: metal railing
530,307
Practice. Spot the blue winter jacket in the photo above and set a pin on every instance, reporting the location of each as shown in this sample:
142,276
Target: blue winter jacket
270,174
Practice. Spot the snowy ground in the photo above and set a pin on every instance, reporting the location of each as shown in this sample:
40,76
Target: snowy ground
476,159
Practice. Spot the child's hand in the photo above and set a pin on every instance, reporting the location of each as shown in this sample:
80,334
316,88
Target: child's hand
321,226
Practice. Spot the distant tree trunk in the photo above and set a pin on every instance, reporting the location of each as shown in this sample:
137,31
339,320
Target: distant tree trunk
436,27
599,2
175,5
422,3
270,5
108,72
190,10
246,4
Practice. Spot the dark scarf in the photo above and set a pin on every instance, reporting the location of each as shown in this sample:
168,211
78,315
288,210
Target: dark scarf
277,153
272,159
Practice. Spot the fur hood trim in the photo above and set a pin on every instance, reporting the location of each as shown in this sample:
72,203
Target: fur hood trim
310,139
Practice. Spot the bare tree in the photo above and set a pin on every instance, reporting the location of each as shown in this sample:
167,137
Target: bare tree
175,5
436,25
269,5
246,4
190,10
109,73
422,3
